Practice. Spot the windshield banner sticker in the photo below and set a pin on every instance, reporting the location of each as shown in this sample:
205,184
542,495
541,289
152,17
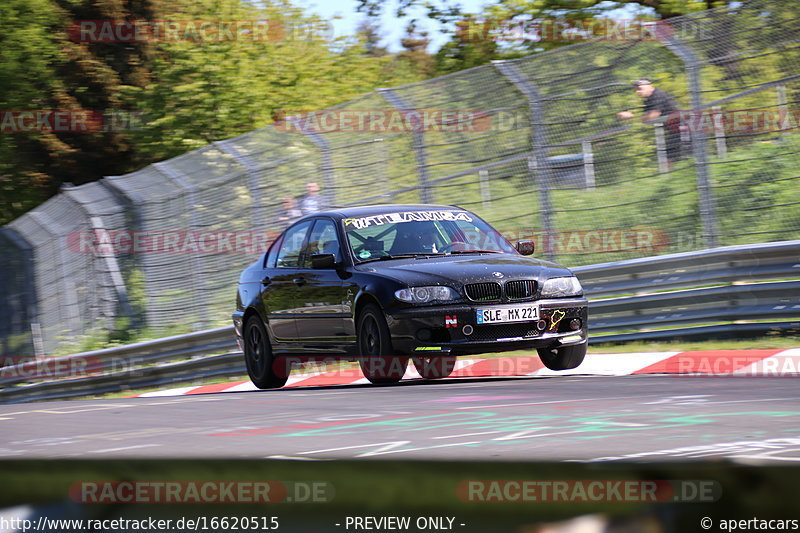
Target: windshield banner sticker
408,216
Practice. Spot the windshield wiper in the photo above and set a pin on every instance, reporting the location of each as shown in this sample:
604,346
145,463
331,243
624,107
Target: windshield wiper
475,252
388,257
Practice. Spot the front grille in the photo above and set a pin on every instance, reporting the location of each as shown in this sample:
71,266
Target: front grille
503,331
520,289
483,292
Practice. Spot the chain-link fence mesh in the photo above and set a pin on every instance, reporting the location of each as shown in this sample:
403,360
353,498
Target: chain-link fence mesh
533,145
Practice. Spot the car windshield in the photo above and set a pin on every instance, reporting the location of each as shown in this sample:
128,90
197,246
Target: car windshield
411,233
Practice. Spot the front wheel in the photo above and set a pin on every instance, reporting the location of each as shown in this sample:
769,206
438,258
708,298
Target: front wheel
435,367
259,358
563,358
377,363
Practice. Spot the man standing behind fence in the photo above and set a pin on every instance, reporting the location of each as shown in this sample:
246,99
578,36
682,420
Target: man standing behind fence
657,104
312,201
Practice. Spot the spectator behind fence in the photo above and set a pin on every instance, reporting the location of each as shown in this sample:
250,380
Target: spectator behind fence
658,103
289,210
312,201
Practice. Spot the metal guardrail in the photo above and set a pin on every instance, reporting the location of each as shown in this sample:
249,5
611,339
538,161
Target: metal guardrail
710,293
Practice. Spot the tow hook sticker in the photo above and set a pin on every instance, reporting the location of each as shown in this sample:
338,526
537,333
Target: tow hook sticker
555,318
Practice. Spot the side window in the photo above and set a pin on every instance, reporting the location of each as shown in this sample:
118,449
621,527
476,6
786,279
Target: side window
323,240
289,253
272,255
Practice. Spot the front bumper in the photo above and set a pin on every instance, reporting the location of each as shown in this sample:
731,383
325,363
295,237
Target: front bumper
454,329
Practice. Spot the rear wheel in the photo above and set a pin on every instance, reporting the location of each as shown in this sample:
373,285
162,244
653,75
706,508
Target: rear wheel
563,358
435,367
375,348
259,358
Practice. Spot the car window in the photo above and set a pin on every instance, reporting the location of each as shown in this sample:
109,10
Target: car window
272,254
323,240
439,231
372,241
293,239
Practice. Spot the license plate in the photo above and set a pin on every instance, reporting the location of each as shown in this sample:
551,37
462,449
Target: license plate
511,313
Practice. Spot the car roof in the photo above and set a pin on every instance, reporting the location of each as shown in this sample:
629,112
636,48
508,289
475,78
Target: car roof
371,210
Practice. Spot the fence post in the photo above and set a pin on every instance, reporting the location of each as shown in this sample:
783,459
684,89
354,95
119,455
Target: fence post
197,280
782,104
418,144
325,165
109,257
68,310
719,131
29,311
538,163
707,210
588,164
661,147
486,194
258,217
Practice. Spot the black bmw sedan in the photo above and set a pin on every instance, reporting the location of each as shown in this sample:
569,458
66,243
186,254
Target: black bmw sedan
387,283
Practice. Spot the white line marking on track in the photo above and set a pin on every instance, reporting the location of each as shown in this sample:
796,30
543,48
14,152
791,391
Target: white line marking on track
293,458
108,450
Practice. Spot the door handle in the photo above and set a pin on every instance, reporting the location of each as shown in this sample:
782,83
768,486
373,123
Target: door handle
299,281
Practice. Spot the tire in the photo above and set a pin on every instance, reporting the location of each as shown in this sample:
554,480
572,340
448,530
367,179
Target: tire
435,367
377,363
259,358
563,358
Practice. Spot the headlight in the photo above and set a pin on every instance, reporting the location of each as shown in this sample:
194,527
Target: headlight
419,295
560,287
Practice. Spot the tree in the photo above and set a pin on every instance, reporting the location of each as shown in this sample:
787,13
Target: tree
183,92
47,73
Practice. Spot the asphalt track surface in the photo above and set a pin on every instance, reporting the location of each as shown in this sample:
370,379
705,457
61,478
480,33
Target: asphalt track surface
572,418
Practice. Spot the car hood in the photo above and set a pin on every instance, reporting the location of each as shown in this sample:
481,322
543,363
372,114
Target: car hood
465,269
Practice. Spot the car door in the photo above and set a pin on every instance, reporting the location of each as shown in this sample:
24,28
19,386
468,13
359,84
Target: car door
279,294
321,295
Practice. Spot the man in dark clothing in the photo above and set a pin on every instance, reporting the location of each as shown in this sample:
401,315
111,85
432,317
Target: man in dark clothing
658,103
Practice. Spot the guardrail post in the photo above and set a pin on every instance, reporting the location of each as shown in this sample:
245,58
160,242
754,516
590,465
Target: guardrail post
699,148
538,164
418,144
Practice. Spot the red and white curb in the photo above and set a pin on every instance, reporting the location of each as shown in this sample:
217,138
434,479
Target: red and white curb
764,363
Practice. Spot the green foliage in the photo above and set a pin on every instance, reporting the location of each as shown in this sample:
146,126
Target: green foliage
186,92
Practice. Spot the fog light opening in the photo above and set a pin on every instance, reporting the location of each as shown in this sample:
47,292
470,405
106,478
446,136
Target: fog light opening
575,324
467,330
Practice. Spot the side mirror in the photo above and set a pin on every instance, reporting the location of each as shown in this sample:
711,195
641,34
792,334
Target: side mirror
526,247
323,261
